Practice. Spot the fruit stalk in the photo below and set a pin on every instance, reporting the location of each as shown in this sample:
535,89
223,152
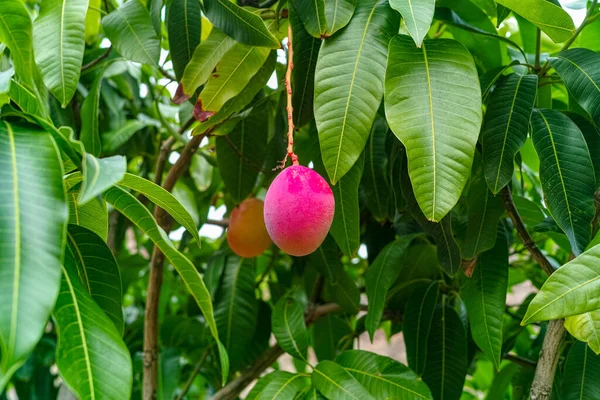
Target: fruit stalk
289,108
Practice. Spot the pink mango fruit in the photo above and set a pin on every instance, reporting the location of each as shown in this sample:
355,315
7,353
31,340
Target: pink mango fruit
299,208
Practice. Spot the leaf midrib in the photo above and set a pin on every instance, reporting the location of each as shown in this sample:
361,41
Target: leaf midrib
433,143
226,5
289,331
378,376
336,384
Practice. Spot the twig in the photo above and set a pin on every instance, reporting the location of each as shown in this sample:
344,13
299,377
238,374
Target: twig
528,242
166,73
224,223
269,267
195,372
522,361
290,109
97,60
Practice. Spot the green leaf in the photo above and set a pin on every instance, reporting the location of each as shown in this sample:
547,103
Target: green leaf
505,127
239,23
91,356
90,134
448,252
570,290
33,218
586,327
446,365
233,73
59,45
131,208
163,199
236,307
417,15
99,174
278,385
483,213
349,85
550,18
375,180
112,140
98,271
241,154
579,380
345,227
343,288
338,14
204,60
417,324
327,335
92,22
289,328
592,139
312,14
567,174
27,100
337,384
313,394
580,71
184,24
16,33
92,215
306,51
380,277
433,105
484,295
132,33
383,377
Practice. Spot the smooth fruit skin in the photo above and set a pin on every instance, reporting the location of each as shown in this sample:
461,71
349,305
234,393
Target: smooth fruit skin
247,235
299,209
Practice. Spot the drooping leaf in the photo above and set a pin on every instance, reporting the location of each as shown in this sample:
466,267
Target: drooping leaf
236,307
91,356
112,140
570,290
306,51
204,60
338,14
336,383
239,23
349,85
505,127
433,105
132,33
99,174
383,377
98,271
417,15
579,377
278,385
580,71
184,26
92,215
163,199
16,32
241,153
31,240
484,295
131,208
483,213
446,365
59,45
327,335
90,135
312,15
343,289
375,180
289,327
233,73
549,17
585,327
345,227
381,276
567,174
417,324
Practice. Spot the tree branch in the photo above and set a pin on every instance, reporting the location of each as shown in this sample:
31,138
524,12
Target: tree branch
193,375
97,60
524,362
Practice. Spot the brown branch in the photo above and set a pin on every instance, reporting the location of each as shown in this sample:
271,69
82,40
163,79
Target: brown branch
150,355
224,223
193,375
522,361
528,242
233,389
166,73
97,60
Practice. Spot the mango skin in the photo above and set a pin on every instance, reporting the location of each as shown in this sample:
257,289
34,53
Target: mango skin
299,208
247,235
